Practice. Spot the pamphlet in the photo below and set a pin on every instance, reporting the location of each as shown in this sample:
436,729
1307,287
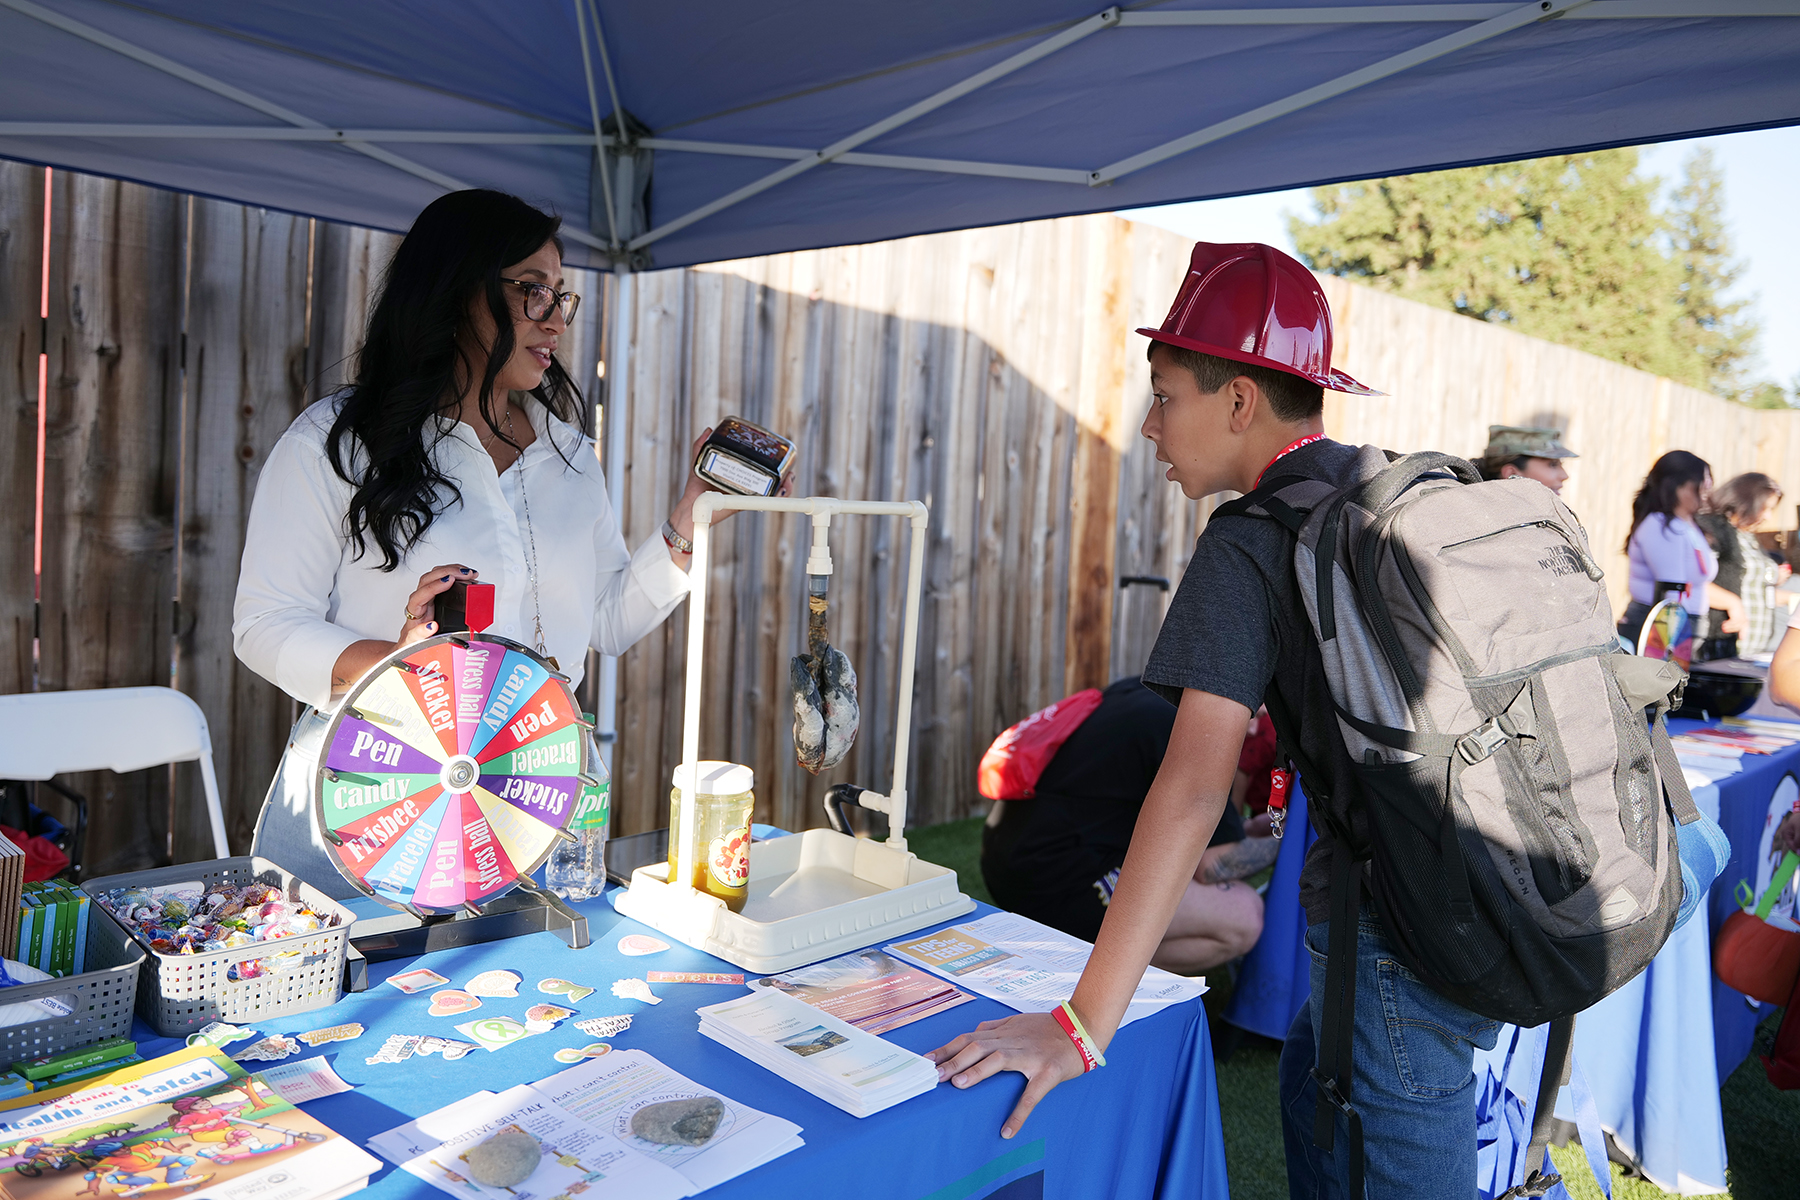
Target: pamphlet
577,1157
583,1119
832,1059
870,989
1030,967
608,1091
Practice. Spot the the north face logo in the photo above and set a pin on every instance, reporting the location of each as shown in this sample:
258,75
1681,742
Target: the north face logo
1561,560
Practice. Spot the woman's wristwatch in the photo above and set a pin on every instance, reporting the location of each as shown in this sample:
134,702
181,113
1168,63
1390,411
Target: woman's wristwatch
676,542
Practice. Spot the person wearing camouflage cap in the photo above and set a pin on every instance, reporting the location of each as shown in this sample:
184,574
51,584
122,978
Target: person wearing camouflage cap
1529,451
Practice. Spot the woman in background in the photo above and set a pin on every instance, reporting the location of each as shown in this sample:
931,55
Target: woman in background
1666,550
1745,569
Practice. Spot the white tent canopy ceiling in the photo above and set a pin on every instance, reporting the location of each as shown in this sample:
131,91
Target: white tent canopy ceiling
671,134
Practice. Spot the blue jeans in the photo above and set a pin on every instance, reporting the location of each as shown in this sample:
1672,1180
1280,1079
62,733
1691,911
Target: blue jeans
1414,1083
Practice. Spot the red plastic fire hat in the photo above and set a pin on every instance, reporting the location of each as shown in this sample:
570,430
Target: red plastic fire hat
1253,304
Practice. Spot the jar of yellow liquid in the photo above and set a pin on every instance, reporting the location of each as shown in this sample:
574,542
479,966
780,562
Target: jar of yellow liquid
724,798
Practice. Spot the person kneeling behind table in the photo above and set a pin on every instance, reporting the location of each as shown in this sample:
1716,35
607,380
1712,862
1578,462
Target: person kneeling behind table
1055,857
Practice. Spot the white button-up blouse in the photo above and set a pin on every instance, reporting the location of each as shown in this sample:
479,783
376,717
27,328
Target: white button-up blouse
304,595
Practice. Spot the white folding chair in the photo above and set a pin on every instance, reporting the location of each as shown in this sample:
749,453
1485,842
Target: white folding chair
43,734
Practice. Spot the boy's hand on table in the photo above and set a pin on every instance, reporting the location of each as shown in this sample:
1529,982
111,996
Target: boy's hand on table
1032,1044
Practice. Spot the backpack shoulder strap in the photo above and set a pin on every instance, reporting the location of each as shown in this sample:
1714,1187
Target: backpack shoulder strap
1287,499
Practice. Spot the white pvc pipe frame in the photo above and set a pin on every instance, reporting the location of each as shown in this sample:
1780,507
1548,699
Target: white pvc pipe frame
821,509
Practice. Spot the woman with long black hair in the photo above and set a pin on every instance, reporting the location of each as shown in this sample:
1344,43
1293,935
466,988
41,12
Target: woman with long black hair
457,454
1667,552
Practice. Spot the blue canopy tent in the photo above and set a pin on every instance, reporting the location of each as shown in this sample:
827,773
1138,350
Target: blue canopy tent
753,129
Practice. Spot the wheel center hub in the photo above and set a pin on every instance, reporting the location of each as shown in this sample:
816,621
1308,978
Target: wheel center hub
459,774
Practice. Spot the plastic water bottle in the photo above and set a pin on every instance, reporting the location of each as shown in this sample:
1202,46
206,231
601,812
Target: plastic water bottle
577,870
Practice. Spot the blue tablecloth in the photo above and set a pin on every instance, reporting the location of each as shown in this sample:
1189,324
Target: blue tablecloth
1654,1052
1146,1125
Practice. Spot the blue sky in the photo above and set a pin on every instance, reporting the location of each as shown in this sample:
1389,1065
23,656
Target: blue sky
1762,186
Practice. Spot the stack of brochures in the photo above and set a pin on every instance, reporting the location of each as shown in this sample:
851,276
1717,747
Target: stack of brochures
191,1124
1030,967
622,1125
869,989
813,1050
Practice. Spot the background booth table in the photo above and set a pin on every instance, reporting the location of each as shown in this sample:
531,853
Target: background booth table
1654,1052
1147,1125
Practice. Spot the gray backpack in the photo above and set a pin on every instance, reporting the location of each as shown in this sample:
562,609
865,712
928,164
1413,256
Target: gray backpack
1521,846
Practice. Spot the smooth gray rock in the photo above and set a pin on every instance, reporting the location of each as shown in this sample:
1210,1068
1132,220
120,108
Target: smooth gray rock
679,1122
505,1160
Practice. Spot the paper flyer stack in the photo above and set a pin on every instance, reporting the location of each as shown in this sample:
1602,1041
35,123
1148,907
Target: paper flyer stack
588,1123
191,1122
810,1048
870,989
1030,967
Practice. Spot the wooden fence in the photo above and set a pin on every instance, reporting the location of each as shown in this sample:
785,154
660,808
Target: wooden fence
992,373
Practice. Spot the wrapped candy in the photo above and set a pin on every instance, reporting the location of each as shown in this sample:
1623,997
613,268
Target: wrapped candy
187,920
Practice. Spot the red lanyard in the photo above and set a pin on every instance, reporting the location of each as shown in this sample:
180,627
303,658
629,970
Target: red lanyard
1292,446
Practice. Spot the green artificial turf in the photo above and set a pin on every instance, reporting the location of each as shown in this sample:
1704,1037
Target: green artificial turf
1762,1125
957,845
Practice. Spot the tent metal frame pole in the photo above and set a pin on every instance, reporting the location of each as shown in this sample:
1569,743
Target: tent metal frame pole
267,107
587,69
612,434
612,84
220,88
1018,62
1518,17
269,133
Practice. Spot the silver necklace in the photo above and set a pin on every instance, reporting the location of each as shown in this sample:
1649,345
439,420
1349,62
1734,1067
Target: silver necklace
537,611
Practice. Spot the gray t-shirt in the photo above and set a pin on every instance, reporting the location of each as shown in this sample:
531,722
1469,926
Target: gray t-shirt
1237,623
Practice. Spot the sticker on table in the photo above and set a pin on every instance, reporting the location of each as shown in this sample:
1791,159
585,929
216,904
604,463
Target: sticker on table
635,989
577,1054
332,1033
218,1034
398,1048
692,977
493,1033
603,1027
636,944
270,1049
562,987
451,1003
541,1018
304,1081
450,1048
422,979
494,983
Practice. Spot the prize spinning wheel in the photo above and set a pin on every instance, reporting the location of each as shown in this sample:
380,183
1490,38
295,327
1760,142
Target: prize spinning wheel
449,772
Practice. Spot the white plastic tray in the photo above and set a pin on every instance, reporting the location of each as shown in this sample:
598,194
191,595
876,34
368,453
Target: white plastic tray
813,895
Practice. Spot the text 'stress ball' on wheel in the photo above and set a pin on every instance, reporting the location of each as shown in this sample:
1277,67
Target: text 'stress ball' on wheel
448,772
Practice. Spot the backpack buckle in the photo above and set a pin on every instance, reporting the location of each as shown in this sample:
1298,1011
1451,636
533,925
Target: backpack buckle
1480,744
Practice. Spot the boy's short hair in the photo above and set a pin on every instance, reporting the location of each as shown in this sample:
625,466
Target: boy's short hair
1291,398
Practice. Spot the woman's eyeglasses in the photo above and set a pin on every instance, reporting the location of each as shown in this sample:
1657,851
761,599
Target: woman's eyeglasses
540,298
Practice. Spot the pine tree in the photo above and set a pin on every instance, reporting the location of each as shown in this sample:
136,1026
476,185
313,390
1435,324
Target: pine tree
1719,329
1571,249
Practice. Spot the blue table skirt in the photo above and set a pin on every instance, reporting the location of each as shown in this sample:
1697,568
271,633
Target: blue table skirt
1145,1125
